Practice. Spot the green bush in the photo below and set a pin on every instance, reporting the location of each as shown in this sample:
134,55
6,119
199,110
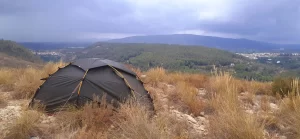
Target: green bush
282,86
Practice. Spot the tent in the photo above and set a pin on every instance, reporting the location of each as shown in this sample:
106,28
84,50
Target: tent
82,80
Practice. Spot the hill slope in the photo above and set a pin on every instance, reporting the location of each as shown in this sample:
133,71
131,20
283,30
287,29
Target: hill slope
13,62
13,49
235,45
178,58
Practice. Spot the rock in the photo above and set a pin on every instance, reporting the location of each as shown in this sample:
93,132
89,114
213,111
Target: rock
35,138
282,137
202,128
274,106
202,114
190,119
249,111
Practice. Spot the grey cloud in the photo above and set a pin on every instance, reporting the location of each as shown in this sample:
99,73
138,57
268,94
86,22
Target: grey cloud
65,20
277,20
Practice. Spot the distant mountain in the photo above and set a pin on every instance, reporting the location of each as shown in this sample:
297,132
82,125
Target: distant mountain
16,50
234,45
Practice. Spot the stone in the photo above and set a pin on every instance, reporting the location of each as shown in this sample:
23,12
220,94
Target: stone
190,119
202,114
249,111
274,106
282,137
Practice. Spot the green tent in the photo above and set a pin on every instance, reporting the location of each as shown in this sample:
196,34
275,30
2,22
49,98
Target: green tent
82,80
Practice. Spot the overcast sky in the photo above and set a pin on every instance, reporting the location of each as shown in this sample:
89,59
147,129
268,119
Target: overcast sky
90,20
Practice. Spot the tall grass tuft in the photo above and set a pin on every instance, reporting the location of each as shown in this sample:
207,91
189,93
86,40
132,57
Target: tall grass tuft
228,120
25,126
156,75
289,114
188,95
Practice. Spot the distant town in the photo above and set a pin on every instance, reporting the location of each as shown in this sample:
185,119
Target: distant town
267,55
53,53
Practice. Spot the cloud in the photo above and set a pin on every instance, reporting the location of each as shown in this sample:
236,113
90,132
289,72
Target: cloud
72,20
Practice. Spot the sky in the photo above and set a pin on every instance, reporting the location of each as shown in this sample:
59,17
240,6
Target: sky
275,21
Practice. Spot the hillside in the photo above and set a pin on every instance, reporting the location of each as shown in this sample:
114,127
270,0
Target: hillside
187,106
14,49
179,58
234,45
13,62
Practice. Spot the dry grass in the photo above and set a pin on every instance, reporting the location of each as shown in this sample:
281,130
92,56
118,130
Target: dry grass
156,75
188,95
133,122
24,82
3,100
27,83
91,117
229,121
265,103
289,114
235,125
25,126
7,78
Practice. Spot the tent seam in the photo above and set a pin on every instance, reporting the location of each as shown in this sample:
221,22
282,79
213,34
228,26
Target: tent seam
126,82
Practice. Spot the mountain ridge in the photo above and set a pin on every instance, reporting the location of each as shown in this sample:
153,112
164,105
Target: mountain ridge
230,44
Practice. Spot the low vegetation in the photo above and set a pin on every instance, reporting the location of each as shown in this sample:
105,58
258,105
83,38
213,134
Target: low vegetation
25,126
229,120
220,99
192,59
25,81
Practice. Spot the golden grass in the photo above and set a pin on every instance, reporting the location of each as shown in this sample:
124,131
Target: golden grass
27,83
188,95
235,125
265,103
158,75
7,78
24,82
25,126
229,121
289,114
133,121
155,76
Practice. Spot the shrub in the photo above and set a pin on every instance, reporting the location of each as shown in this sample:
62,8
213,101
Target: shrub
282,86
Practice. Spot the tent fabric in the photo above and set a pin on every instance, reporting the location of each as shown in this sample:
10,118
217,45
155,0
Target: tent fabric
83,79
